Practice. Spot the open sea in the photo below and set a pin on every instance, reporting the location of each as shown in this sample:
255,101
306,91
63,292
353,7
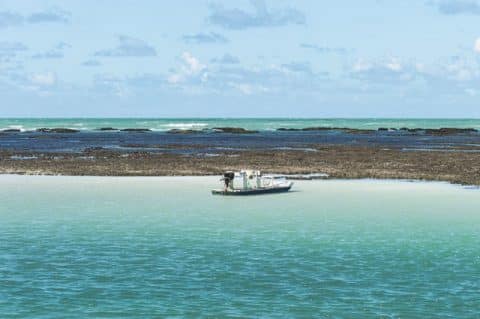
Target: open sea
106,247
262,124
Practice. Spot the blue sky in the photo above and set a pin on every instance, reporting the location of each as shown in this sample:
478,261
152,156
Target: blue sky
370,58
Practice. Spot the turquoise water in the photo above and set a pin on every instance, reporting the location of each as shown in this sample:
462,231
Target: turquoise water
254,124
90,247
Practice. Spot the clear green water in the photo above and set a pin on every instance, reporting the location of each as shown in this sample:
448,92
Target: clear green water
93,247
248,123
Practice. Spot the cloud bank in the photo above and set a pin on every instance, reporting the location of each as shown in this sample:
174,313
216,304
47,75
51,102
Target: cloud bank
453,7
128,47
322,49
13,19
237,19
10,49
53,15
56,52
205,38
226,59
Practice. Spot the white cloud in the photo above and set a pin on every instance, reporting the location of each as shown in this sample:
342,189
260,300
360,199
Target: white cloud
477,45
471,92
420,67
43,79
194,65
385,71
175,78
361,65
246,89
394,65
191,68
462,69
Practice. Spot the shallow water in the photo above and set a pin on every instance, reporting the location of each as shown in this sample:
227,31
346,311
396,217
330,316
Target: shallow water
155,142
164,247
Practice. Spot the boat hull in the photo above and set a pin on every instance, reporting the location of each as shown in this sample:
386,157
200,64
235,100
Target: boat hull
256,191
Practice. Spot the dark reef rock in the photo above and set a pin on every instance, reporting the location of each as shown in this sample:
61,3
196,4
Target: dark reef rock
357,131
180,131
450,131
412,130
107,129
284,129
318,129
440,131
11,130
57,130
233,130
136,130
46,137
323,128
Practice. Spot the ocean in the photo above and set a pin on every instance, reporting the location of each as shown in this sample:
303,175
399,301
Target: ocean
203,140
262,124
164,247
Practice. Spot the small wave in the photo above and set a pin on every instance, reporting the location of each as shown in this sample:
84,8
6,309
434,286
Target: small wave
305,149
14,127
186,125
209,154
230,148
413,149
18,157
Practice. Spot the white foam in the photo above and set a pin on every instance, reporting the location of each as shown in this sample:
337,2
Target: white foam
18,157
14,127
186,125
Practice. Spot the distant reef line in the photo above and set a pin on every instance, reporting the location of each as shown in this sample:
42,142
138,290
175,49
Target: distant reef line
240,130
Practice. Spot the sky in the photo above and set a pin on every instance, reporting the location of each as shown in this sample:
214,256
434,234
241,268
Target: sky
257,58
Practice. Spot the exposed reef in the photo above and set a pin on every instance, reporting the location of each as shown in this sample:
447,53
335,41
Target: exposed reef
138,130
322,128
445,131
441,131
450,131
334,160
57,130
233,130
184,131
443,154
107,129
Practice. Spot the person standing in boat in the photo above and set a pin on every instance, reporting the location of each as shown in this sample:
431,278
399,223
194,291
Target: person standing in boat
227,182
228,179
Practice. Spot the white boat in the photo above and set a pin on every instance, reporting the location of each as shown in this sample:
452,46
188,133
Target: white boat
251,182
